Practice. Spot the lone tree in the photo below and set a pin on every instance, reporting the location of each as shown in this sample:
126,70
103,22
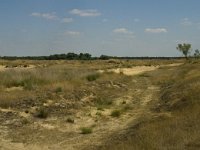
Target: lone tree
197,53
185,49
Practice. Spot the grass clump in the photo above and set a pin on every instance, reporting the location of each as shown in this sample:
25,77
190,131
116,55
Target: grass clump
93,77
98,113
25,121
103,102
116,113
28,84
58,89
42,113
70,120
86,130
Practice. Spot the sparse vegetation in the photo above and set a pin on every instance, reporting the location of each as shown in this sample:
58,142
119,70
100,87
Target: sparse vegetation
86,130
176,125
115,113
60,89
42,113
103,102
93,77
70,120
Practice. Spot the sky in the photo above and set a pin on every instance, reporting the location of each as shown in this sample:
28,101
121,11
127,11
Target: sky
110,27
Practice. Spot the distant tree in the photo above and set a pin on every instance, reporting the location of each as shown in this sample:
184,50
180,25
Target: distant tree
197,53
71,56
104,57
85,56
185,49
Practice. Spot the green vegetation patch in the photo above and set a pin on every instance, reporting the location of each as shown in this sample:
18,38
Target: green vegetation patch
115,113
42,113
93,77
86,130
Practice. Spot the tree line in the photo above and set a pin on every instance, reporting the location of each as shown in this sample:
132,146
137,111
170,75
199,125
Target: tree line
184,48
68,56
81,56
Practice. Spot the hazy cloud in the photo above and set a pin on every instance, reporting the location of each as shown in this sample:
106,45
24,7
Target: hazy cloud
66,20
123,34
122,31
48,16
85,13
72,33
156,30
186,22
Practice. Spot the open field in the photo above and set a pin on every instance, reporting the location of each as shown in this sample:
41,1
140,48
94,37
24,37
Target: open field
111,104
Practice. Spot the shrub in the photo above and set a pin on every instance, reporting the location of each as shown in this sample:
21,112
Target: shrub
123,102
86,130
58,90
27,84
25,66
98,113
70,120
42,113
100,108
103,102
25,121
115,113
93,77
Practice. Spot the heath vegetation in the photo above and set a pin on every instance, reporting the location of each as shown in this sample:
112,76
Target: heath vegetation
155,108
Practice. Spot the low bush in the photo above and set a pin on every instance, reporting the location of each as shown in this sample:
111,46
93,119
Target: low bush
93,77
58,89
86,130
41,113
70,120
115,113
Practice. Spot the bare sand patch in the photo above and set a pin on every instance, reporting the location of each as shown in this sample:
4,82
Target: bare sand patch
174,64
2,68
132,71
20,67
138,69
19,88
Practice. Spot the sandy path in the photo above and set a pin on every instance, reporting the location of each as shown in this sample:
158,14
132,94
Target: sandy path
134,71
138,69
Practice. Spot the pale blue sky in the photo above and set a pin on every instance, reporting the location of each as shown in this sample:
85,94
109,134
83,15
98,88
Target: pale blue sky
110,27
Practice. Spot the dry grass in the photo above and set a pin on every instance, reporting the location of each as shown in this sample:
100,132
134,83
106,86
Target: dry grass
176,123
69,77
66,85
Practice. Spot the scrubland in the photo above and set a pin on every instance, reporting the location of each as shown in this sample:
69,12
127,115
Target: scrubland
110,104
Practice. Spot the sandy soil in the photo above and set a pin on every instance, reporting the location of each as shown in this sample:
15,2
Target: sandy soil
4,68
138,69
134,71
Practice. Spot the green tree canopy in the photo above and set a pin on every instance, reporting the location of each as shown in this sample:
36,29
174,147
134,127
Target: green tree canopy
184,48
197,53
